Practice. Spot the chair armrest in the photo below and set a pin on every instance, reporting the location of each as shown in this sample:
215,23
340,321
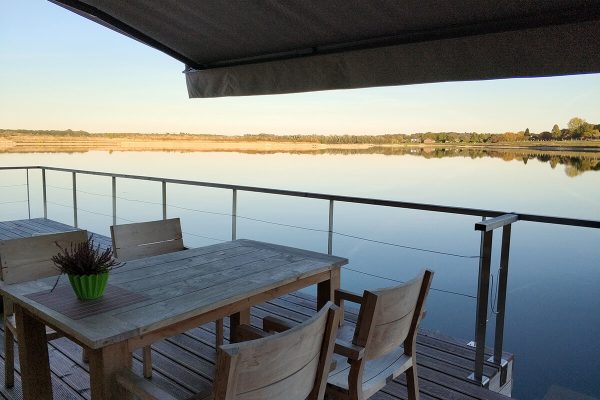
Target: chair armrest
349,350
140,387
274,324
341,295
247,332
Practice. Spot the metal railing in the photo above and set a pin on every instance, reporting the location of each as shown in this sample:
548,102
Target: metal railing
487,228
497,219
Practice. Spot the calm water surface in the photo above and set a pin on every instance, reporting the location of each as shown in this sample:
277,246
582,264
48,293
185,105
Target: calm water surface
553,306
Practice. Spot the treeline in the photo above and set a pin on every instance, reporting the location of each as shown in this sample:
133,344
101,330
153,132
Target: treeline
577,129
68,132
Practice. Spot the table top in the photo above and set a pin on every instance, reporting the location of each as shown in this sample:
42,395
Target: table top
179,286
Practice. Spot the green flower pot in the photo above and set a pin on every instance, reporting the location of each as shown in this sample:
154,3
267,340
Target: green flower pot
89,287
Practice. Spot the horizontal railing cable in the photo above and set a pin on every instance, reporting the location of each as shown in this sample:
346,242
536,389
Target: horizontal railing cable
129,220
399,281
206,237
88,211
304,228
405,247
140,201
288,226
14,201
338,198
10,186
222,240
356,237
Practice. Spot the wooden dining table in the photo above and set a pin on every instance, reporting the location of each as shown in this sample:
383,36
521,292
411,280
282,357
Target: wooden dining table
157,297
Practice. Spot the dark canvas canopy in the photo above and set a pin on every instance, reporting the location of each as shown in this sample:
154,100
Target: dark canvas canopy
250,47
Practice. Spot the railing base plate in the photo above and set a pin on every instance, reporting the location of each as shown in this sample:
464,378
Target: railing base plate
485,381
503,361
503,369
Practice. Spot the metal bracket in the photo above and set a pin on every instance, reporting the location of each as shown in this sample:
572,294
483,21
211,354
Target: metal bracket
503,362
503,369
485,381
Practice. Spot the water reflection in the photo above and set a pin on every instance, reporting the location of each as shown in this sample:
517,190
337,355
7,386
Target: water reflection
553,285
575,161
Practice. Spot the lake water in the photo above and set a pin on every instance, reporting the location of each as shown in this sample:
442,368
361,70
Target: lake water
553,307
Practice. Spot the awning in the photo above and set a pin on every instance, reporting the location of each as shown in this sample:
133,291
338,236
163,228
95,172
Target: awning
240,48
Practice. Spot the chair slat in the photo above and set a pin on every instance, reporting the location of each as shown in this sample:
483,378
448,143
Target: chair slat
145,239
292,365
26,259
376,373
30,258
392,317
286,366
278,359
386,329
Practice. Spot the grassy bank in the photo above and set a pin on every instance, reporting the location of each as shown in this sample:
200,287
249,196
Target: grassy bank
22,140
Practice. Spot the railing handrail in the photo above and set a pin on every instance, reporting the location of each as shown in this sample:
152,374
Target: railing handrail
346,199
497,222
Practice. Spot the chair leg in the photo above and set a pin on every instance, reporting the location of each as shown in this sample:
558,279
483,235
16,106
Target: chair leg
219,333
147,360
9,366
84,355
412,382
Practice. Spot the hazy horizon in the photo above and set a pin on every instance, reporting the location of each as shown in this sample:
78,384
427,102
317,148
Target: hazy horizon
61,71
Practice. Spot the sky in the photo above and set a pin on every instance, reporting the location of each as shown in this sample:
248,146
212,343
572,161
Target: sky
61,71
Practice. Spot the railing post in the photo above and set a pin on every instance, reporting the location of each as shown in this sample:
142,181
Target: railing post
45,199
330,231
234,216
487,229
483,288
74,200
501,304
28,198
114,199
164,199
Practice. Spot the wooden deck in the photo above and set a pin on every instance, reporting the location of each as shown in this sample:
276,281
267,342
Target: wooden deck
184,363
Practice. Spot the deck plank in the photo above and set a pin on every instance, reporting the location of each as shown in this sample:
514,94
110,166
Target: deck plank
184,363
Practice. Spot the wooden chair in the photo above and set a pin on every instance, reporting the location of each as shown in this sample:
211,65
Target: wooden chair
382,345
27,259
288,366
145,239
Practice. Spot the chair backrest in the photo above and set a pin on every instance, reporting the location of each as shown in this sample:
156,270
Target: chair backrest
144,239
292,365
30,258
389,317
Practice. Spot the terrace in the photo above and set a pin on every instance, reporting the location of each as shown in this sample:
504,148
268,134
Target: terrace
183,364
449,367
314,46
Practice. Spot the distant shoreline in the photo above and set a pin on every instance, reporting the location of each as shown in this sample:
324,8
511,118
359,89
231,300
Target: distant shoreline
53,143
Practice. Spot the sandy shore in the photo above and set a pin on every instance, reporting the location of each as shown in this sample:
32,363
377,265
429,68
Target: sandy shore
28,143
55,144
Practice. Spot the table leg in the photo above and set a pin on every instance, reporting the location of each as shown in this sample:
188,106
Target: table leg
326,289
33,355
219,332
104,363
235,320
